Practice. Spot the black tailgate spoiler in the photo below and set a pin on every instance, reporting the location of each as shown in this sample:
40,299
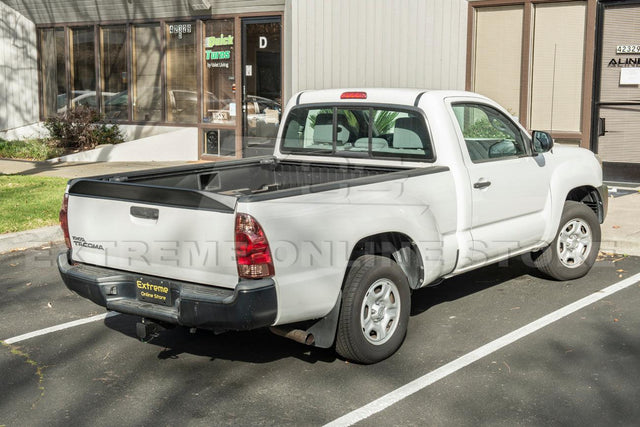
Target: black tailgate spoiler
152,194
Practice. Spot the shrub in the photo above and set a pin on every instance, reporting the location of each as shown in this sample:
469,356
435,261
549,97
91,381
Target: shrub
82,129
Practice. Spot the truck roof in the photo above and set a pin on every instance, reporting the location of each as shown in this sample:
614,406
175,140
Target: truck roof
401,96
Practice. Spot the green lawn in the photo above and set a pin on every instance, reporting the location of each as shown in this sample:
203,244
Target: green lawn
28,202
29,149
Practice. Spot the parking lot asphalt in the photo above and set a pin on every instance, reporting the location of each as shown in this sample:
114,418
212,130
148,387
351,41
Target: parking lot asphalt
582,369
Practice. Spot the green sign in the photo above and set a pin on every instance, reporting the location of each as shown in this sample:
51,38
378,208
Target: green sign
219,41
215,54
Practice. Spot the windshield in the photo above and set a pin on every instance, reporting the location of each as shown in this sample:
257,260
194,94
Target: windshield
357,132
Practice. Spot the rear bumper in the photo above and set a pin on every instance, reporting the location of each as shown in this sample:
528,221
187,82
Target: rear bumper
252,304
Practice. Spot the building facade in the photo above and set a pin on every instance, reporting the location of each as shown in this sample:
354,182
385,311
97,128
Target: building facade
570,67
225,68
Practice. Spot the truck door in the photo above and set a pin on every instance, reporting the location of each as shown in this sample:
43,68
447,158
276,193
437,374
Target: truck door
509,187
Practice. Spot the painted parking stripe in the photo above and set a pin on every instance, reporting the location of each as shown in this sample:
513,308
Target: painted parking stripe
418,384
60,327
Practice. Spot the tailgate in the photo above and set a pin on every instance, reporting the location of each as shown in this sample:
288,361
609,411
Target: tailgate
173,233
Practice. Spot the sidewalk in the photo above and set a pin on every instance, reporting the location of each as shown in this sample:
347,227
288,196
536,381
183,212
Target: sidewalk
620,231
621,228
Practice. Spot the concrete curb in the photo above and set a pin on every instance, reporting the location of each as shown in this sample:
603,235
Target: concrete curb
621,247
30,238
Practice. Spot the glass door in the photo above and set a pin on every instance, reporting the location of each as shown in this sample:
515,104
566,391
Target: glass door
261,84
617,104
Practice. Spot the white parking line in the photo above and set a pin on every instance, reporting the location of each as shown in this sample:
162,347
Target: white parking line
60,327
416,385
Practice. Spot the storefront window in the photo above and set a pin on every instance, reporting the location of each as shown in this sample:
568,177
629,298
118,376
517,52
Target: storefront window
113,67
219,105
83,68
54,79
182,81
147,73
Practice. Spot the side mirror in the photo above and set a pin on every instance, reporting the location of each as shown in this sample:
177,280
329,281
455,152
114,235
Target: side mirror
541,142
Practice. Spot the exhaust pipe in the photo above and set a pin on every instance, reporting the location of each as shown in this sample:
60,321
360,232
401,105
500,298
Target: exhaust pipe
297,335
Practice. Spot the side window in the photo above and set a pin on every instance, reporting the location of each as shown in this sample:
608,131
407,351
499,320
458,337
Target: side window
488,134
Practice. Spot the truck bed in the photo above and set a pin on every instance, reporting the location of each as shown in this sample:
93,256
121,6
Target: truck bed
178,223
251,177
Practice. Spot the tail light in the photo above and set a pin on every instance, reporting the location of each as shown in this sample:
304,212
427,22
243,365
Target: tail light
253,255
64,220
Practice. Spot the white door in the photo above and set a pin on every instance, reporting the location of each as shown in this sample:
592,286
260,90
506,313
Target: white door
509,186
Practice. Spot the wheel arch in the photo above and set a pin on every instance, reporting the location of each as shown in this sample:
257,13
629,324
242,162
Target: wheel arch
591,197
576,176
396,246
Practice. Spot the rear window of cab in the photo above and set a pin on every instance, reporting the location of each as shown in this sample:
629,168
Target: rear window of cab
370,132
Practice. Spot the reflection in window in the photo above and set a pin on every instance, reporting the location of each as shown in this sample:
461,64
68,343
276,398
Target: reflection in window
219,105
182,87
54,79
113,56
147,67
83,67
488,133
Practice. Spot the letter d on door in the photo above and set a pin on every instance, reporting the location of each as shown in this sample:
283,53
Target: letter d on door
263,42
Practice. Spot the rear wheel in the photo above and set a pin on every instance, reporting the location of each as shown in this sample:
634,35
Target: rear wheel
375,310
575,248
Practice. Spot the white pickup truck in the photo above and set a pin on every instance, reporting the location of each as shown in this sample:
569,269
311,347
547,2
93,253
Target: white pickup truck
370,194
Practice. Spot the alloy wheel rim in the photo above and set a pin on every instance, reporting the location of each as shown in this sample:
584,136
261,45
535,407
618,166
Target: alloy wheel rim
380,311
574,243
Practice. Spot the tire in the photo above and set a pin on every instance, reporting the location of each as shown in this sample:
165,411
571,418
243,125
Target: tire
575,247
374,315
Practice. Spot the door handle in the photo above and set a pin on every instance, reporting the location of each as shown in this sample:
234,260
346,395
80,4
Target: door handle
482,184
144,213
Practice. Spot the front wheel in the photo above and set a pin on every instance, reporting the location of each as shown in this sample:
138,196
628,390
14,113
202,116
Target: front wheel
375,310
575,247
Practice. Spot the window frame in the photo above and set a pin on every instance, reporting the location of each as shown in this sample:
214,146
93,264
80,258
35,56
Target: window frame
369,154
526,139
102,70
